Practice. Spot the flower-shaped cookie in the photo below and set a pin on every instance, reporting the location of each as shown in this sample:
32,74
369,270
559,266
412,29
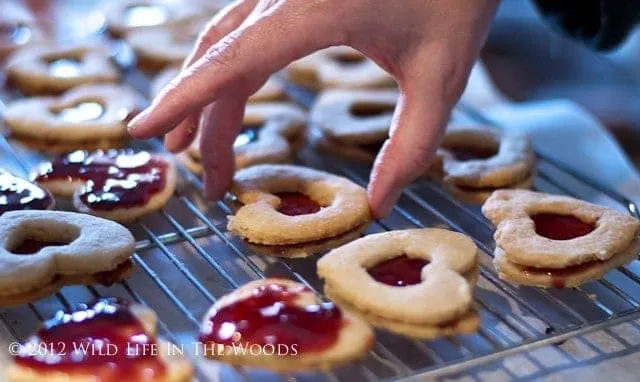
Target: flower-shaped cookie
88,117
285,204
287,327
557,241
125,16
418,282
42,251
353,123
474,161
338,67
120,185
53,68
119,342
19,194
273,131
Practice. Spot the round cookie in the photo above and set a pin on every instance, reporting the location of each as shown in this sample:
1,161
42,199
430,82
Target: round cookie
418,279
120,185
549,240
273,132
286,204
353,123
338,67
17,193
149,356
54,68
125,16
485,157
480,195
308,333
42,251
88,117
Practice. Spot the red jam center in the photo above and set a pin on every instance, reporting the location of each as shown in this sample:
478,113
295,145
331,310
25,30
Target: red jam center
114,179
29,247
560,227
400,271
19,194
103,339
471,153
270,317
295,203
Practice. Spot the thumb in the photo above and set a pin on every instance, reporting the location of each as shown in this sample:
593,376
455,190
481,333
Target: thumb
423,110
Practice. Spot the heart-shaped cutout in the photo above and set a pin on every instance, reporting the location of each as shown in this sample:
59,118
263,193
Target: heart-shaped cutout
68,248
557,241
117,184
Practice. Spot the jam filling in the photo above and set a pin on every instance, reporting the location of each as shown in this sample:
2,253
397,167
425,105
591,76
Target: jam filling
146,15
19,194
81,112
64,67
560,227
559,275
30,247
114,179
464,154
367,110
248,134
103,339
269,317
295,203
400,271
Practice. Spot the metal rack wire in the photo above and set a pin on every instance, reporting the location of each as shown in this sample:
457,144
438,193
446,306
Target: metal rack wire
185,260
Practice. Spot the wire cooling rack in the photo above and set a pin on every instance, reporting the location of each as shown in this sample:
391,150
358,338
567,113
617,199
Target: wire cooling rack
185,260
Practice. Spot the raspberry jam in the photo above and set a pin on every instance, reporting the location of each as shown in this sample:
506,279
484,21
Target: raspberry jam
248,134
20,194
269,317
295,203
560,227
102,339
400,271
114,178
464,154
559,275
29,247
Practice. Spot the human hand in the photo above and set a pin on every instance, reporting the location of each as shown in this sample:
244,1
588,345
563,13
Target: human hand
429,46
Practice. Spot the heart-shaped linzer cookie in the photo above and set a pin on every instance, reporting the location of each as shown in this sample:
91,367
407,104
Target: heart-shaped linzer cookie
42,251
338,67
285,204
54,68
88,117
19,194
414,282
353,123
287,327
129,330
272,133
121,185
557,241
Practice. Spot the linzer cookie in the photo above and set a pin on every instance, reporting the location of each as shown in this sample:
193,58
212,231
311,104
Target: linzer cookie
272,133
53,69
557,241
88,117
286,325
338,67
42,251
107,340
19,194
353,123
418,283
125,16
121,185
474,161
286,204
272,90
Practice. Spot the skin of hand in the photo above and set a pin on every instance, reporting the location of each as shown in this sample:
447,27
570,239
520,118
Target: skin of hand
429,46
